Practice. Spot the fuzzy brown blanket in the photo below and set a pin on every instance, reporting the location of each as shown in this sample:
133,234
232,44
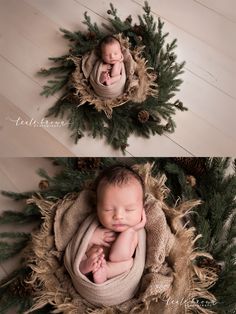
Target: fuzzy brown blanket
171,280
113,291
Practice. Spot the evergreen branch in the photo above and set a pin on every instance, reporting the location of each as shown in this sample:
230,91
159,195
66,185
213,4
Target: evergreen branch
10,217
12,235
9,250
92,27
54,85
17,196
71,36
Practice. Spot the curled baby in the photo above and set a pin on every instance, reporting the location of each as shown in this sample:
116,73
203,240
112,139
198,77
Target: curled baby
112,58
120,211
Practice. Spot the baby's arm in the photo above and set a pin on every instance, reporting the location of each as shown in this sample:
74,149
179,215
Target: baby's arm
116,69
102,237
124,246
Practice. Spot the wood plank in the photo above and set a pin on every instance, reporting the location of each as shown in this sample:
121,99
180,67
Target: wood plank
157,145
219,33
67,14
32,24
208,103
200,138
226,8
35,106
22,140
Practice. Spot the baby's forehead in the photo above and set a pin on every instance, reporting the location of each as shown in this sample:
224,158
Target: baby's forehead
104,184
114,43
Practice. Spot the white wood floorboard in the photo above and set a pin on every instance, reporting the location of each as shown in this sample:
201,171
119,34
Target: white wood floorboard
205,31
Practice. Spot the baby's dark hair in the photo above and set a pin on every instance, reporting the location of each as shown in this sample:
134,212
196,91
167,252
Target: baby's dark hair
118,174
109,39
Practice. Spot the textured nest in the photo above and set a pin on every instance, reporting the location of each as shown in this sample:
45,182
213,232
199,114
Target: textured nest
140,82
186,282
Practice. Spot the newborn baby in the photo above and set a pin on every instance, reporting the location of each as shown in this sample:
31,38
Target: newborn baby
120,194
112,57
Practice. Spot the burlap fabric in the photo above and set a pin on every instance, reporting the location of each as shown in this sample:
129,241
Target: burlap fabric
139,80
171,280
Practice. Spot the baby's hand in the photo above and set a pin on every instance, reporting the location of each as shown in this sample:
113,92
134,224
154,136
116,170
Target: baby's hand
142,223
106,67
103,236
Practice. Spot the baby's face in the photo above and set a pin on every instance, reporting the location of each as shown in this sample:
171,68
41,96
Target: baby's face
120,207
111,53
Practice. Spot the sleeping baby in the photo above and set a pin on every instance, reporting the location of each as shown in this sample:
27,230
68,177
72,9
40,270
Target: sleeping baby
111,248
107,73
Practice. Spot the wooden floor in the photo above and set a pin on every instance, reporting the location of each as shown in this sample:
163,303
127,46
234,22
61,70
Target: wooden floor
206,33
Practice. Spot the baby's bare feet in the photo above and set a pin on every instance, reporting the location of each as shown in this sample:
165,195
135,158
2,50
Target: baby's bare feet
100,275
92,263
103,77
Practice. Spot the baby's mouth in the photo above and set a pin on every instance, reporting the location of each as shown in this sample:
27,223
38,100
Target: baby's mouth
118,225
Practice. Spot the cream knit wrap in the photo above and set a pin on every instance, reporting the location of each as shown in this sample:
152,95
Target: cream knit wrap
113,291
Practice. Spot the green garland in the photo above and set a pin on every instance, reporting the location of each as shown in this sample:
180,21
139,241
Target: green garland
188,178
125,119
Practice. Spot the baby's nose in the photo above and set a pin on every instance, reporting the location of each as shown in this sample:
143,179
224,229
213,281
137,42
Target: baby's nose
118,214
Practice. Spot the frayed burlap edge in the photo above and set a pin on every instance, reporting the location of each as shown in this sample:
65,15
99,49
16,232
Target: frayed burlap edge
53,285
137,93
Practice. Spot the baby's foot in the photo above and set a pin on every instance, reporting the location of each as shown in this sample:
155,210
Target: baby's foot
92,263
100,275
103,77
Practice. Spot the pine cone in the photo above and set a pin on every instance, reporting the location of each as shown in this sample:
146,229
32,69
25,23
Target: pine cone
191,180
143,116
88,163
192,165
137,29
91,35
43,184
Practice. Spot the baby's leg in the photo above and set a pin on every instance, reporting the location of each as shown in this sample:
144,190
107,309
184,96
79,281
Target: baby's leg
92,262
109,270
124,246
116,69
115,269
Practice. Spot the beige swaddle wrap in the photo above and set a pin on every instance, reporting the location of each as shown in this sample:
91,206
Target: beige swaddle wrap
107,91
113,291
